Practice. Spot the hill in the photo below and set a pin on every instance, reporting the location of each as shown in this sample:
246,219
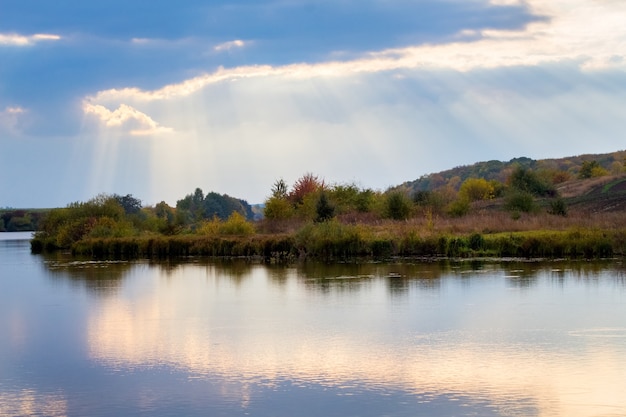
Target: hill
596,195
559,170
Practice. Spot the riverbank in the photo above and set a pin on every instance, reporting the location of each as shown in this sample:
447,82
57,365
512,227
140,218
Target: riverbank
335,241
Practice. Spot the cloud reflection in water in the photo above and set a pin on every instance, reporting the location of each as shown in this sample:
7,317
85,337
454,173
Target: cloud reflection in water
251,331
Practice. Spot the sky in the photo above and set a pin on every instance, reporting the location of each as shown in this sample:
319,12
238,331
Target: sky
156,98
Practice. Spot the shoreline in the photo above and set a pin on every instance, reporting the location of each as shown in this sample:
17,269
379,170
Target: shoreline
336,242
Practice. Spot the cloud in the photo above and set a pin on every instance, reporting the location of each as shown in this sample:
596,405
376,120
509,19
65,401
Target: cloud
11,118
126,119
138,332
13,39
587,34
226,46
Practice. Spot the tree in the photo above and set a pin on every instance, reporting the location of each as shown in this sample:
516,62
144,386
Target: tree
520,201
304,186
277,208
280,189
474,189
324,209
130,204
591,169
526,180
398,205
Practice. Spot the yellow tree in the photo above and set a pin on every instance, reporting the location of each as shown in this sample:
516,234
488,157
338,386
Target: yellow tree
474,189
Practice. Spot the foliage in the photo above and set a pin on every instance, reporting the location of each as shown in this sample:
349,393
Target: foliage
474,189
130,204
236,224
305,185
197,207
280,189
331,240
459,207
278,208
521,201
554,171
558,207
20,220
397,205
527,181
591,169
324,209
102,216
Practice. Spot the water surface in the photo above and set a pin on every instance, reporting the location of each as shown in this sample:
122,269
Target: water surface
198,337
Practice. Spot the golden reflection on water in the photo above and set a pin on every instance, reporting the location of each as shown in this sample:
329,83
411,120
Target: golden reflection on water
29,402
196,319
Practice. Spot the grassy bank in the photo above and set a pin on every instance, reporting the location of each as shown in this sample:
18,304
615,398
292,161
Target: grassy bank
335,241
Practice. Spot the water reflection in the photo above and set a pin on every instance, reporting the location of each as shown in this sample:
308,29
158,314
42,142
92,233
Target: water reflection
29,402
243,325
101,277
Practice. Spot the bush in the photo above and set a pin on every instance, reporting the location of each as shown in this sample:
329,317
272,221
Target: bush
397,206
520,201
459,208
558,207
236,224
278,208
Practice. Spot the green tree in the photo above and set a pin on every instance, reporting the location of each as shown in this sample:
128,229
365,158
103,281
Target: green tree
280,189
591,169
324,209
525,180
398,205
130,204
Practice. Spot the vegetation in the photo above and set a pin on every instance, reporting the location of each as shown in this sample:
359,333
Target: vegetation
536,210
20,220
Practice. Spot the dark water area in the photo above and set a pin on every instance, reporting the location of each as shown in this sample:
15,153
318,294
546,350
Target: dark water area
198,337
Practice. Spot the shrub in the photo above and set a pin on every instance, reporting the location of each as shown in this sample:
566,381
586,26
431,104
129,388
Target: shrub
474,189
520,201
459,208
236,224
278,208
558,207
397,206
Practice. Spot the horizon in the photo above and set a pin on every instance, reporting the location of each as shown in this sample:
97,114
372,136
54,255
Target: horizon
119,98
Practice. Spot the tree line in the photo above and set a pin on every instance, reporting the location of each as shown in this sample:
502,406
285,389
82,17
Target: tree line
309,200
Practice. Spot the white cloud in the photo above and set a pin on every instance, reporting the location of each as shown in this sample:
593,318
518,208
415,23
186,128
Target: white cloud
10,118
230,45
126,119
591,34
14,39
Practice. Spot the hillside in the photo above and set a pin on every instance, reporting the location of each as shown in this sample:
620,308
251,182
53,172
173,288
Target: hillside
596,195
562,169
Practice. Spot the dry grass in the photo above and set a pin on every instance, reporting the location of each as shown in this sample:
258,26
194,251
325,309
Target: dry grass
575,188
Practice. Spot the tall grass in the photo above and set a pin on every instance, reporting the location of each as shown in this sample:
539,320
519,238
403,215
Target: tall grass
488,233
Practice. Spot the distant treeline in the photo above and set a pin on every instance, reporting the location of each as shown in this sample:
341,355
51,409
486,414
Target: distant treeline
116,216
20,220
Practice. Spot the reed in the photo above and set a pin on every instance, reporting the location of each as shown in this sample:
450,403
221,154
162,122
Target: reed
481,234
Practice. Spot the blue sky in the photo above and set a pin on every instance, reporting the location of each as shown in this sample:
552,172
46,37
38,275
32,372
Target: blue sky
157,98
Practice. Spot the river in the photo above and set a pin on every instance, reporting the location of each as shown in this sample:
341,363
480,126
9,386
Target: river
198,337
